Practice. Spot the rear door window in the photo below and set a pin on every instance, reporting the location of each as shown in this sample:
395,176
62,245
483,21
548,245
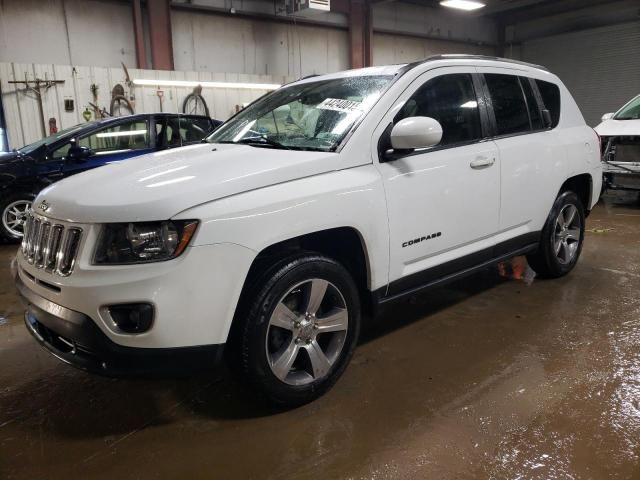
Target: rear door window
123,137
509,104
550,94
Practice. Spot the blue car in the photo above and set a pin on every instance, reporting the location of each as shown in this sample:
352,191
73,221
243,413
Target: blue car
26,171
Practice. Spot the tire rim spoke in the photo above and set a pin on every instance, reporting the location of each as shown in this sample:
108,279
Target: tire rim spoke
283,317
282,366
335,322
573,234
319,361
558,245
316,295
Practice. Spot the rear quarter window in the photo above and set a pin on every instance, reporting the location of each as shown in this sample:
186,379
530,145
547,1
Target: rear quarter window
550,94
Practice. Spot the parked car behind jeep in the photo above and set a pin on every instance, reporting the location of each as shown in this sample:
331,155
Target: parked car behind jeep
27,170
620,134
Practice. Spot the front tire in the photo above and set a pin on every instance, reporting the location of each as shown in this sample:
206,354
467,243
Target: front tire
561,239
13,211
300,327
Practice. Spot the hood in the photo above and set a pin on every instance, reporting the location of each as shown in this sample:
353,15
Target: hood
619,128
160,185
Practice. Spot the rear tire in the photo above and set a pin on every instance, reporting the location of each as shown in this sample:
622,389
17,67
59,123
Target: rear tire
299,327
561,239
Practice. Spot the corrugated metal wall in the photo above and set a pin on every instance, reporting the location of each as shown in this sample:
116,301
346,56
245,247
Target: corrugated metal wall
601,66
21,107
224,44
390,49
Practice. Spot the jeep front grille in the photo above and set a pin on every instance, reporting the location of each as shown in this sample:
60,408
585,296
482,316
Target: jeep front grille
50,245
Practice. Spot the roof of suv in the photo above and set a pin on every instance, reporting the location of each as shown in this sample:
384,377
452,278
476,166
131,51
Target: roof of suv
404,67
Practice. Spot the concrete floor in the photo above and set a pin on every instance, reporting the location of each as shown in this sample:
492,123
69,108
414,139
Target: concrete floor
488,378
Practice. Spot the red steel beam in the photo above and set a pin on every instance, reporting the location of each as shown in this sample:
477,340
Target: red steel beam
160,34
141,54
360,34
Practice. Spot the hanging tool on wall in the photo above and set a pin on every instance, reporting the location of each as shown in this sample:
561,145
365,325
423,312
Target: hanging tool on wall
160,94
120,105
53,126
38,87
129,83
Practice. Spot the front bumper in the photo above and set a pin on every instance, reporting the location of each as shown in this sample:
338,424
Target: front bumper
75,339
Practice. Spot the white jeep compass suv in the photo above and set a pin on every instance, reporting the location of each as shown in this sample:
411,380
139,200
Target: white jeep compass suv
327,197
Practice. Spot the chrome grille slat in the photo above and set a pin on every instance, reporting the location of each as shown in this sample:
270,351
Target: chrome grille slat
43,240
51,246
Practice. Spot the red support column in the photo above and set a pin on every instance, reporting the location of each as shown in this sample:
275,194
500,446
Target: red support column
160,33
138,31
361,34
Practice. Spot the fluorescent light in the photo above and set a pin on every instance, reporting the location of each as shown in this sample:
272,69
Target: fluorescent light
462,4
190,83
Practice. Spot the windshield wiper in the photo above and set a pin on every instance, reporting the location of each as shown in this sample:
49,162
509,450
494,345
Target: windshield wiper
258,141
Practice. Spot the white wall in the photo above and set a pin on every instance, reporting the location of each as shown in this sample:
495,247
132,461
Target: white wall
206,42
21,108
35,31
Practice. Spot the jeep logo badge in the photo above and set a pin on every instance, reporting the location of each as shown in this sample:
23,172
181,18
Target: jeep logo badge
44,206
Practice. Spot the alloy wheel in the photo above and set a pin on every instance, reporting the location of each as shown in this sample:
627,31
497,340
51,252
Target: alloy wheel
14,217
307,332
567,234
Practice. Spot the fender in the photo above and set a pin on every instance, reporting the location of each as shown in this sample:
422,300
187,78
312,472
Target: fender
260,218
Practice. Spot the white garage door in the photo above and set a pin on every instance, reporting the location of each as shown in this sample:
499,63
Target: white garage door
601,67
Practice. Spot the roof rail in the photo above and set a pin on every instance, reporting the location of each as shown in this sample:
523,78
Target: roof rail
464,56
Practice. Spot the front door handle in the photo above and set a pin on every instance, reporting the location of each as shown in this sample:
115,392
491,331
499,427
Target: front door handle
482,162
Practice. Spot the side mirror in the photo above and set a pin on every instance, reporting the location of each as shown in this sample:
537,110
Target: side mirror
79,153
607,116
416,132
546,117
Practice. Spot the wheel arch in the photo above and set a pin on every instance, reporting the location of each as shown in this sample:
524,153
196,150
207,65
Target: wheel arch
582,185
345,244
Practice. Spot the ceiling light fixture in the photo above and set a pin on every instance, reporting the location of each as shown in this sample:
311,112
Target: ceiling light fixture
467,5
191,83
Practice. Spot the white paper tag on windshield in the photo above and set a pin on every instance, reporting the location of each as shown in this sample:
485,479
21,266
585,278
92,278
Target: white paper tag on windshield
339,105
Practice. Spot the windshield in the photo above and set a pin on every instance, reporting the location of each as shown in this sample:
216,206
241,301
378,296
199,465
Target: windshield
52,138
309,116
631,111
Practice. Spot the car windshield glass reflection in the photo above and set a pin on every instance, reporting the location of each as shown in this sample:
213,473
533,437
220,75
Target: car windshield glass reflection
52,138
310,116
631,111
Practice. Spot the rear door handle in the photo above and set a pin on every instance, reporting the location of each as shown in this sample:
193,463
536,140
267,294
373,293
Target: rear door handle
482,162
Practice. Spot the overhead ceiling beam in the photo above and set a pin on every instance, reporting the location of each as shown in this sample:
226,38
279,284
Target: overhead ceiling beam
500,8
548,9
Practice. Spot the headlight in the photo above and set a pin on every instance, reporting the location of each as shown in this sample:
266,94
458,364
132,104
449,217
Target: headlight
125,243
